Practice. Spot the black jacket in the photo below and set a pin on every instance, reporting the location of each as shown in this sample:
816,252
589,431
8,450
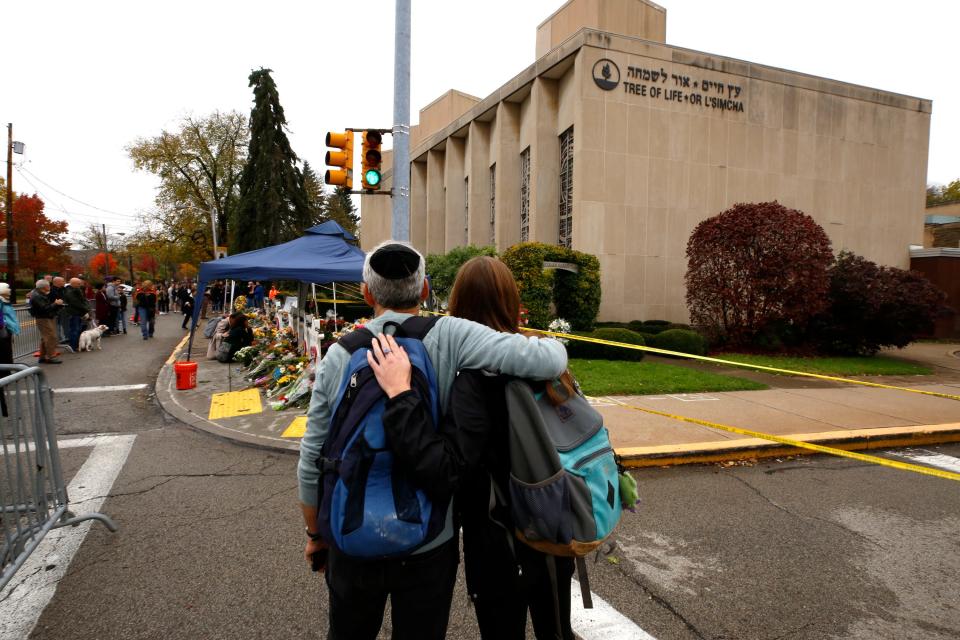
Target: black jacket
470,446
75,303
41,305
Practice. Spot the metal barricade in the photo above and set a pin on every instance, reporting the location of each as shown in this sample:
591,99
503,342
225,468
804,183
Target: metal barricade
33,496
28,341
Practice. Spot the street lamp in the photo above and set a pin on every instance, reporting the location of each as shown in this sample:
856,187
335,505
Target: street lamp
213,223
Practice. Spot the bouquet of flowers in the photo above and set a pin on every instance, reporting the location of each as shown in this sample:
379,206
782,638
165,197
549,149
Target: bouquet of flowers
560,326
240,303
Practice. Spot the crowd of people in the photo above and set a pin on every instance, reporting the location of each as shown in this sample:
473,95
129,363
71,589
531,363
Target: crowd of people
64,309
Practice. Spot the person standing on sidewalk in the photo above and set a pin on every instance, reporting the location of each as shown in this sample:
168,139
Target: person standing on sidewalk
44,312
147,308
113,302
77,309
9,327
186,304
56,293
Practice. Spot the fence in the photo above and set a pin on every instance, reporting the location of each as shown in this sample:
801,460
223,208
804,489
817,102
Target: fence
33,496
28,341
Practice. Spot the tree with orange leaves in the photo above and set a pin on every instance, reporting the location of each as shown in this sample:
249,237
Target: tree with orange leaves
41,242
102,265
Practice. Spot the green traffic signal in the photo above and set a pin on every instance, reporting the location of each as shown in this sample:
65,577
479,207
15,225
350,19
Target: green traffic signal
372,177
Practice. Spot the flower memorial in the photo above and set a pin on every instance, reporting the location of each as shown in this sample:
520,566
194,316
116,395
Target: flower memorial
275,364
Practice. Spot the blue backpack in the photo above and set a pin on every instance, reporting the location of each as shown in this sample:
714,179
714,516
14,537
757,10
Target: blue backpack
369,507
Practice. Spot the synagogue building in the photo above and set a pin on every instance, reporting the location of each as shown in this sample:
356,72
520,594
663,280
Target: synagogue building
618,144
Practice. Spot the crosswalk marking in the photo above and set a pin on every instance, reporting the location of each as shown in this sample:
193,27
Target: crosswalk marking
32,588
602,622
931,458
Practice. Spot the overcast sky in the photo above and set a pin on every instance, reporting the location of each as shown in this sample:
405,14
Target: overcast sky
84,79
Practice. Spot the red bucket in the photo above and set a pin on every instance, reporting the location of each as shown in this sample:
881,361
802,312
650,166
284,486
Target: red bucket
186,375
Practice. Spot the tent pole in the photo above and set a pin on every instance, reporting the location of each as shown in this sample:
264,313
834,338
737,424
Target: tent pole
335,316
232,285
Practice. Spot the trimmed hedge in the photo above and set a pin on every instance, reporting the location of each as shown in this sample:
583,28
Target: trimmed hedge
682,340
577,295
592,351
654,326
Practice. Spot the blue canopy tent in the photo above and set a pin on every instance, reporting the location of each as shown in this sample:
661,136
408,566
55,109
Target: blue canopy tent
323,254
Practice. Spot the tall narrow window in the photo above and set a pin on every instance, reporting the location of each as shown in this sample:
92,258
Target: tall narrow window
566,189
466,211
525,195
493,204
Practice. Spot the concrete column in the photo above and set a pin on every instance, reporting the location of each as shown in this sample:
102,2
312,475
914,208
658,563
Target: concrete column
544,163
506,133
436,212
478,169
418,205
455,195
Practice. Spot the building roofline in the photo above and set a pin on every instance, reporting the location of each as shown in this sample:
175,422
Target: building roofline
568,2
588,37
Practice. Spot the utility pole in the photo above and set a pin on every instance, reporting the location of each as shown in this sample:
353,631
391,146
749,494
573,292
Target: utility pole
106,254
400,227
213,228
11,261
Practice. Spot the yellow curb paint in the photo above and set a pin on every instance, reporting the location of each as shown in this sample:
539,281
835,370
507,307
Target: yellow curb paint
903,466
176,350
297,428
236,403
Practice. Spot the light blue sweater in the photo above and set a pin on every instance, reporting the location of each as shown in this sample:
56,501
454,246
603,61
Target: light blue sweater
452,344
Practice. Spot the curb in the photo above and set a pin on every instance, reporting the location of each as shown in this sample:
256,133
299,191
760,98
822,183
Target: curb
752,448
166,396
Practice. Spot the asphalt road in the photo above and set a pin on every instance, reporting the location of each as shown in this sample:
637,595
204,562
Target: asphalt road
211,540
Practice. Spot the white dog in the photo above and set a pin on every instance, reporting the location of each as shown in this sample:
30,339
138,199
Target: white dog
91,338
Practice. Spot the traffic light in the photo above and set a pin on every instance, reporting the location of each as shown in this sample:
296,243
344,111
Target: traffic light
371,160
342,177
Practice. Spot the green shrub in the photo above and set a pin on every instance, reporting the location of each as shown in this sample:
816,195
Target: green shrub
593,351
576,295
682,340
443,268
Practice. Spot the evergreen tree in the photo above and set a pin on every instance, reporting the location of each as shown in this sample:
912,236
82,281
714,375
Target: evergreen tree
274,206
340,207
313,186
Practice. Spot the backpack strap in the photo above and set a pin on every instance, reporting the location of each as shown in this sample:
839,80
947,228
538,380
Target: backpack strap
359,339
417,326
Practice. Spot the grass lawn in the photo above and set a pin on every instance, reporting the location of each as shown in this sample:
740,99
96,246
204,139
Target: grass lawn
618,377
839,366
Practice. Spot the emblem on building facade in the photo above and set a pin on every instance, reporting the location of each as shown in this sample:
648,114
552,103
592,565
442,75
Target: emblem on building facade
606,74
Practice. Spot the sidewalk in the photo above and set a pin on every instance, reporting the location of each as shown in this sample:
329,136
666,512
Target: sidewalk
833,414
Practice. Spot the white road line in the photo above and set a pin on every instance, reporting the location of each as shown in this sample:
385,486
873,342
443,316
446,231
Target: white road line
939,460
26,596
602,622
118,387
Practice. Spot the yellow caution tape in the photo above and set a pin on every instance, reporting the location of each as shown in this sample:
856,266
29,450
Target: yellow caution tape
746,365
903,466
331,300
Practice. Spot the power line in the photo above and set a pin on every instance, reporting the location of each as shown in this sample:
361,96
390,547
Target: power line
85,218
65,195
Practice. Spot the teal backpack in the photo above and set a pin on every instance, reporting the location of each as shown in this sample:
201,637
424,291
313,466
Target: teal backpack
565,491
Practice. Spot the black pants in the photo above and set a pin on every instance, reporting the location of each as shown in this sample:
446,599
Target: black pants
420,588
503,584
6,357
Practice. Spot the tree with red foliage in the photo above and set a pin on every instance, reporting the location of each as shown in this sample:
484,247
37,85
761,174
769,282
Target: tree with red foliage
873,306
42,243
147,264
101,265
756,274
